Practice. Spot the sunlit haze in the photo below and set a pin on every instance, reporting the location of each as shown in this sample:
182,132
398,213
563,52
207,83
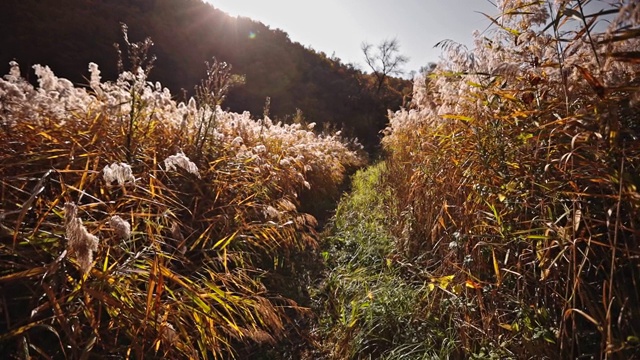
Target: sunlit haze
338,27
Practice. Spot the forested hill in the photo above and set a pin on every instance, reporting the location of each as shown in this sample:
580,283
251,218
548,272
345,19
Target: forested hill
68,34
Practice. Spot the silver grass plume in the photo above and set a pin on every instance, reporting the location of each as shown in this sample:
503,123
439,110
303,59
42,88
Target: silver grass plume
182,161
80,243
121,227
120,173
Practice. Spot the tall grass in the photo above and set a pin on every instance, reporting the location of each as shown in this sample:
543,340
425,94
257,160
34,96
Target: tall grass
515,176
368,304
128,229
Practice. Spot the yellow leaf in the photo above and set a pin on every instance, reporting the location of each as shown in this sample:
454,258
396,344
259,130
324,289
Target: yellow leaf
22,275
151,287
457,117
222,243
46,136
506,95
472,285
496,268
501,197
442,282
545,274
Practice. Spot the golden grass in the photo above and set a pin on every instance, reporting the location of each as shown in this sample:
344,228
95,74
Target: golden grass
516,173
185,246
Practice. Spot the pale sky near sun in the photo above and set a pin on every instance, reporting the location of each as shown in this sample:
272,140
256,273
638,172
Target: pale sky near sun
340,26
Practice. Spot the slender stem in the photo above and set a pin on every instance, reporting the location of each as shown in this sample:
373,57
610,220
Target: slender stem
586,27
560,51
613,256
132,118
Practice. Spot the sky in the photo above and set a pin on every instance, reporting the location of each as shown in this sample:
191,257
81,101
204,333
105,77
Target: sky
338,27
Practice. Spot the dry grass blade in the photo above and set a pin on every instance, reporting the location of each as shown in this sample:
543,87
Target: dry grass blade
626,56
23,275
38,188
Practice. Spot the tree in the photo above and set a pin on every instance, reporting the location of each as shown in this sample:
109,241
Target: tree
384,60
428,69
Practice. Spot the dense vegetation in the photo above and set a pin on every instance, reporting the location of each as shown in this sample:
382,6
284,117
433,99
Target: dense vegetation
506,222
502,222
66,35
134,225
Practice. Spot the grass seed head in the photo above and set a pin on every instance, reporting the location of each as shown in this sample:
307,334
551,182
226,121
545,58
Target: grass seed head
180,160
121,227
80,243
120,173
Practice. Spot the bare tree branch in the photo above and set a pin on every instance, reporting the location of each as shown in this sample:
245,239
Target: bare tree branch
384,60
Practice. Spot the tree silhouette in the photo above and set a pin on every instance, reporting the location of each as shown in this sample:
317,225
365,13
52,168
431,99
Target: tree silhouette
384,60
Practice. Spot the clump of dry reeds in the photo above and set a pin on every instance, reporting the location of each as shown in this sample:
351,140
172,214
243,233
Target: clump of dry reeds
193,220
516,178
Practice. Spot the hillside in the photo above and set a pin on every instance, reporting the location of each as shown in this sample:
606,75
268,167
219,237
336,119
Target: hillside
68,34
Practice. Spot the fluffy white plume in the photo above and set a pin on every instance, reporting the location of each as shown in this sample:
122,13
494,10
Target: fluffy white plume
80,243
120,173
180,160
